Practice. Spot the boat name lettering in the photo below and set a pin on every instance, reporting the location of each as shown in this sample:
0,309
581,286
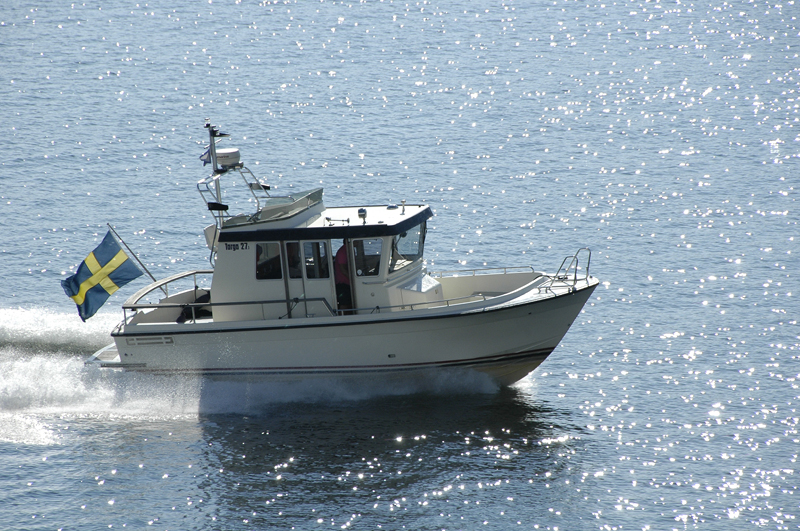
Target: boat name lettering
236,246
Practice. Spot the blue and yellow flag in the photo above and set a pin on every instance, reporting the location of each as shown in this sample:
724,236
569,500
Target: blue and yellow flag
104,271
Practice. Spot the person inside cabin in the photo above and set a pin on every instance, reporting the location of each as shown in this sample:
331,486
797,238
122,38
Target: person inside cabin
341,275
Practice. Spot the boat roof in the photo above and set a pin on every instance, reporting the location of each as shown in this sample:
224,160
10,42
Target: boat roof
281,219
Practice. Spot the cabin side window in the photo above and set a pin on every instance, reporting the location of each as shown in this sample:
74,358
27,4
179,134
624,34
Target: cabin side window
268,261
367,254
293,259
315,255
407,247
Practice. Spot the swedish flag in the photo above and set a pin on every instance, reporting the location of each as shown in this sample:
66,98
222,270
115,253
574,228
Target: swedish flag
104,271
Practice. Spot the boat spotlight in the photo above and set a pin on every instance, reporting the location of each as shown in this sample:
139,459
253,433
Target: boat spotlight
362,215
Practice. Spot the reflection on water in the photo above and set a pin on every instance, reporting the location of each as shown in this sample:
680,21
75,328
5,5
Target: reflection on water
450,458
221,394
413,460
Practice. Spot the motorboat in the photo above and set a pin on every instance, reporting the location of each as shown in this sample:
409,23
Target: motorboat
297,289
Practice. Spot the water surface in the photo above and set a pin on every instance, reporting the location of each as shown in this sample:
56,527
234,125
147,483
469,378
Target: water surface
662,135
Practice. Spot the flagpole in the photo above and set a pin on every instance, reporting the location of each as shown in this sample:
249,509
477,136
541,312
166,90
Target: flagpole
135,257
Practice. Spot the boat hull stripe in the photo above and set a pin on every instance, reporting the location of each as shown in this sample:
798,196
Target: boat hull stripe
470,362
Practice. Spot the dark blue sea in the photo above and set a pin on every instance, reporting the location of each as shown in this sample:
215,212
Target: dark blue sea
662,134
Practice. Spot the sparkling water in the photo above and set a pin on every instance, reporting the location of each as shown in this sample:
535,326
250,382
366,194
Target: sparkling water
664,135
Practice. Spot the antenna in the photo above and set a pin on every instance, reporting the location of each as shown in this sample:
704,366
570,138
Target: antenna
213,135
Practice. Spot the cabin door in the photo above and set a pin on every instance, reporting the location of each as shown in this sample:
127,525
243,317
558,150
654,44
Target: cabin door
368,290
308,265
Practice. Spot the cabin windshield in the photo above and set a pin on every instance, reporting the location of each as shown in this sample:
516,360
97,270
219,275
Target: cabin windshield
407,247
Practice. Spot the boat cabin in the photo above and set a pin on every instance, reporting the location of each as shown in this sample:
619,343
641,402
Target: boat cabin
295,258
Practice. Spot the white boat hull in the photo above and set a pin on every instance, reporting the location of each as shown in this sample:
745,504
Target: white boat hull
506,339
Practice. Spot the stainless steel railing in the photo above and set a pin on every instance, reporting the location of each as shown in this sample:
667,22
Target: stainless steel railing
485,271
570,269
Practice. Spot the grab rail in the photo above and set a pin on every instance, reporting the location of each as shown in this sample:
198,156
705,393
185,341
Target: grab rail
475,272
195,305
136,297
133,303
210,192
294,302
434,304
573,265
